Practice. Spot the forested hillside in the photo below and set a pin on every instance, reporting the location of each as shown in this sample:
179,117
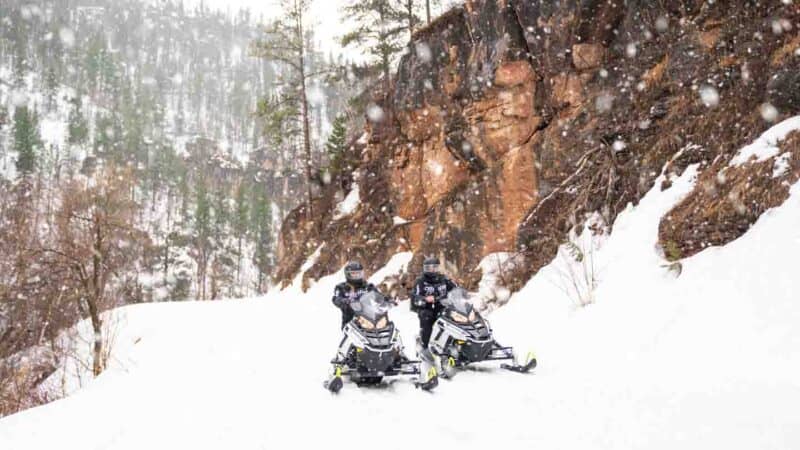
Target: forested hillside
144,156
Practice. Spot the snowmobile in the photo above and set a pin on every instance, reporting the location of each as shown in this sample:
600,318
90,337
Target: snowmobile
372,349
461,336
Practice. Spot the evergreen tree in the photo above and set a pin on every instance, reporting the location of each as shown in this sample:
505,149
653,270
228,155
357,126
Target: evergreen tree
409,15
202,235
286,43
78,127
27,141
336,145
108,132
241,224
3,115
379,28
50,86
261,218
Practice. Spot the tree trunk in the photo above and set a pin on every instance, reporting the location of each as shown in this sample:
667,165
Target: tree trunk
428,10
98,363
384,52
411,24
239,260
304,100
95,297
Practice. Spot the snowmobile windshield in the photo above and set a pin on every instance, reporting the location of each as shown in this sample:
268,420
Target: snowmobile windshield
458,301
371,306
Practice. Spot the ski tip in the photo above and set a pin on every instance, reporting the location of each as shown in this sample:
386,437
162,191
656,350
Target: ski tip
427,386
334,385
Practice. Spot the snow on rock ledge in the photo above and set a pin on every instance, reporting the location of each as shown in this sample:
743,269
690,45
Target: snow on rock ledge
766,146
349,205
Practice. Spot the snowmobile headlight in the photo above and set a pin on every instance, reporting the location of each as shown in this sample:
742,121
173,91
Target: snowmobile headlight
382,323
472,316
364,323
458,317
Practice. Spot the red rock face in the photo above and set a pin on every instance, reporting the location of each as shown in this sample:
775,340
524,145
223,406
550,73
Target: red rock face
510,121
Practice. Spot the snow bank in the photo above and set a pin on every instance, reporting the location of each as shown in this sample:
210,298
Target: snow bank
396,265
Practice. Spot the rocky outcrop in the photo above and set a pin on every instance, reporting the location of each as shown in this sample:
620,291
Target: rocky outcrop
509,122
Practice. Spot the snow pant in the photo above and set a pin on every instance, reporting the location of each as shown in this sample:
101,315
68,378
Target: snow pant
427,317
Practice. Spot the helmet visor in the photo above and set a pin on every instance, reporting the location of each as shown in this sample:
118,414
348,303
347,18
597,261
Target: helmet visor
355,274
430,268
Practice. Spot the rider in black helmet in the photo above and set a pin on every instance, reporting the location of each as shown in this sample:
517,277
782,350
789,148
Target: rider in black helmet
355,286
429,289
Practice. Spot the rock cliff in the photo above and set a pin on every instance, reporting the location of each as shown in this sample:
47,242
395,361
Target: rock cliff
509,122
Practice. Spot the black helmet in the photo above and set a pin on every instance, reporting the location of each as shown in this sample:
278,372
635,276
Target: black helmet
430,267
354,272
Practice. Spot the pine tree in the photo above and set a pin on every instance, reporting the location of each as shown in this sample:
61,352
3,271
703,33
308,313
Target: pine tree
241,223
78,127
50,86
336,145
202,235
379,27
286,43
3,115
27,141
410,16
261,219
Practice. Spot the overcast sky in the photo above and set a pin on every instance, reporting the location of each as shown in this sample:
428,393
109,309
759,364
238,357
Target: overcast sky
324,15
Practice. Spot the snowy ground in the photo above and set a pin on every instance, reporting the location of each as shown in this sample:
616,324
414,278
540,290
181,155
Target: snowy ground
705,360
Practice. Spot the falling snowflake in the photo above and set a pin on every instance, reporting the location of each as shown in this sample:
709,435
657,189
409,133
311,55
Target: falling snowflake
631,50
436,168
375,113
604,102
779,26
19,98
709,95
67,37
619,145
768,112
662,24
424,52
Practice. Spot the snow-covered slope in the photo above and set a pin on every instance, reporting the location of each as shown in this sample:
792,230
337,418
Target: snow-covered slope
705,360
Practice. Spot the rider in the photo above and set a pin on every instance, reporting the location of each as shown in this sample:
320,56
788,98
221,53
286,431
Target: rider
352,289
428,291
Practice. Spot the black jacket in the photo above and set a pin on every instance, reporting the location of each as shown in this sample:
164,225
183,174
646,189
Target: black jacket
344,293
438,286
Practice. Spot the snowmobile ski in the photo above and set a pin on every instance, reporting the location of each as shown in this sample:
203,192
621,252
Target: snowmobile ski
335,383
431,383
522,368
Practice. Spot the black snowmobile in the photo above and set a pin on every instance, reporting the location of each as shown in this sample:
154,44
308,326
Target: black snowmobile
372,349
461,337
